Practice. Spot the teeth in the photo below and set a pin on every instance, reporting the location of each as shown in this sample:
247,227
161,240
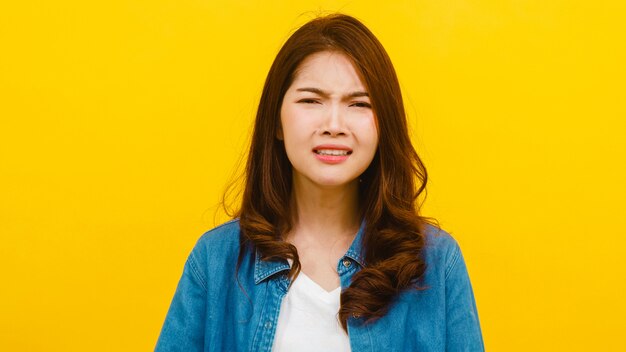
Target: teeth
332,152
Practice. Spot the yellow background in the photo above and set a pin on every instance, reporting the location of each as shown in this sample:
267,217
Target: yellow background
121,122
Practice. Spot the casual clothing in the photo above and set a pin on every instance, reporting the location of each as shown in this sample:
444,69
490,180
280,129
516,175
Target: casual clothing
308,320
213,310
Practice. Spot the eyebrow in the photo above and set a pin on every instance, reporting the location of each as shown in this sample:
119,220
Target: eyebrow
318,91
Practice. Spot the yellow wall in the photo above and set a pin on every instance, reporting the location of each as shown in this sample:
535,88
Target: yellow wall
121,121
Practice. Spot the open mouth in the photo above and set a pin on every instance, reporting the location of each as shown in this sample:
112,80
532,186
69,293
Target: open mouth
332,152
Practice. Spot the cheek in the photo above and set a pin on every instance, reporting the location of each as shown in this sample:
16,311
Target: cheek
286,124
297,125
368,131
291,129
294,134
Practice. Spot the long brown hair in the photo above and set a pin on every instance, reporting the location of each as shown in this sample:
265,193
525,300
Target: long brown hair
388,194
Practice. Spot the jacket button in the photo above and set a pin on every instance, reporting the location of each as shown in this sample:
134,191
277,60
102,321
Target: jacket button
268,325
347,263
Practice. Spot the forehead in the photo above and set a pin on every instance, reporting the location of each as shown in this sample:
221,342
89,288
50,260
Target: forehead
328,68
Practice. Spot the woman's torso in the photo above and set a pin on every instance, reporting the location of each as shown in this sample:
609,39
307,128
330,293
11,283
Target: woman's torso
215,311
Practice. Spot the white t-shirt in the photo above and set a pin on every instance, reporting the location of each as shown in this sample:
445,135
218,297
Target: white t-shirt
308,319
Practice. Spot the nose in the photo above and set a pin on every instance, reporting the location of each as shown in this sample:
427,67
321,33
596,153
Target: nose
334,122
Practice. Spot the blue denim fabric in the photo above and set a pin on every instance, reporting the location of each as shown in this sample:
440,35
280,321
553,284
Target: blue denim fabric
211,311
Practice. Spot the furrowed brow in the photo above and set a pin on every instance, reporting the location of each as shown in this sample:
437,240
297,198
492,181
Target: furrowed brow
322,93
313,90
358,94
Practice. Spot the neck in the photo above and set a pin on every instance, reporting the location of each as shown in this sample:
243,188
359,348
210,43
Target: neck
326,213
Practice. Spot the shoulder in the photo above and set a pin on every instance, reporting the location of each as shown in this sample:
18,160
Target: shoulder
218,245
438,240
225,234
441,249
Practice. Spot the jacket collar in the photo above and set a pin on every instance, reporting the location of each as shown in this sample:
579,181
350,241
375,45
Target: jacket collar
263,269
355,252
266,268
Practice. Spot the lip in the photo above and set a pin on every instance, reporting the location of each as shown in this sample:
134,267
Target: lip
332,146
332,159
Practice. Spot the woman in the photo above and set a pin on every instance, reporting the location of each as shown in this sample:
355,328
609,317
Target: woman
327,251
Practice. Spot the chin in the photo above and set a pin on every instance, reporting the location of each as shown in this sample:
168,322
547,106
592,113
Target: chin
334,182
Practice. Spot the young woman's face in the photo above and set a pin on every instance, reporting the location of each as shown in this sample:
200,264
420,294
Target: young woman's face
328,125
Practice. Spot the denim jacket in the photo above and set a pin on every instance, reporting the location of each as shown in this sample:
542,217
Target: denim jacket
213,310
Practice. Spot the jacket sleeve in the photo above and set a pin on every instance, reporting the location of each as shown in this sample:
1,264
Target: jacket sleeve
462,325
183,329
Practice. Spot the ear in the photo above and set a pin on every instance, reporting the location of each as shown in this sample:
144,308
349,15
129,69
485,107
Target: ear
279,133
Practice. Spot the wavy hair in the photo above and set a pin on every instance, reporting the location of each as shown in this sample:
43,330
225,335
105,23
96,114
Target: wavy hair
388,194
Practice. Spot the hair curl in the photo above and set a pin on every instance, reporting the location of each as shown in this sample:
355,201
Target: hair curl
393,239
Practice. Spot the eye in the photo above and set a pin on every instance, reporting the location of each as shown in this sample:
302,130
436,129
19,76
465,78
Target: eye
308,101
361,104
